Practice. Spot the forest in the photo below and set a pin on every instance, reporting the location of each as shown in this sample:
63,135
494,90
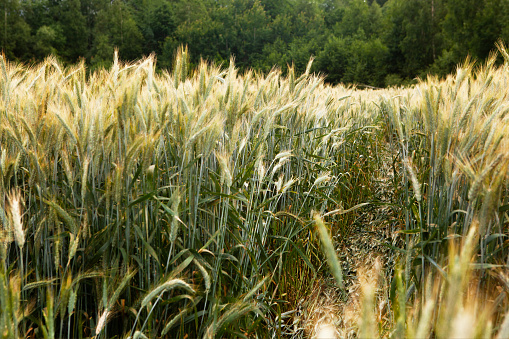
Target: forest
365,42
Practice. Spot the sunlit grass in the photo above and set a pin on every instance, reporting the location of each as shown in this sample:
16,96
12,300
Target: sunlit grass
187,203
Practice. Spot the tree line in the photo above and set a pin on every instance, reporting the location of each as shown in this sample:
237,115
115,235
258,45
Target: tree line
369,42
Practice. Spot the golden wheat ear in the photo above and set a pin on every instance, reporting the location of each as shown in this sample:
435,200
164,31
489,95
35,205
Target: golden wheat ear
16,218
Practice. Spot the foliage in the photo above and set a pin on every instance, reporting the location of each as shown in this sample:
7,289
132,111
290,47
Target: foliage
360,42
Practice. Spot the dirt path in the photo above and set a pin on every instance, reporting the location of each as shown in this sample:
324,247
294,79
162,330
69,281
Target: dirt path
363,258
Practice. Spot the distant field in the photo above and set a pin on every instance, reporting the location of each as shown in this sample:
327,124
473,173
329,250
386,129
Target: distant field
207,203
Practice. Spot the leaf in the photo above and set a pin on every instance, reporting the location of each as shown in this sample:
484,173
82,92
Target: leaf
234,312
176,271
341,211
481,266
440,269
414,231
176,319
299,251
149,248
494,236
142,198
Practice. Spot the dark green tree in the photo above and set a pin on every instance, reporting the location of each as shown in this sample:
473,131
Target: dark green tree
116,27
470,28
68,14
156,22
14,31
49,40
356,16
412,35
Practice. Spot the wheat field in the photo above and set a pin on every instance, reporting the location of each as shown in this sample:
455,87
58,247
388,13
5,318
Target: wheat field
207,203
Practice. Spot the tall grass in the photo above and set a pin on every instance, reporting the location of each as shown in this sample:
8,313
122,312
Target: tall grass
182,204
451,138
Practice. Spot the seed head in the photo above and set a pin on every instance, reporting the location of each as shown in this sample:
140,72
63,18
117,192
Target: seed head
17,224
101,322
325,177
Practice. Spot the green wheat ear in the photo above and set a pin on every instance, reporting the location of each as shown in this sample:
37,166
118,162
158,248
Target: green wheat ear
164,287
329,251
